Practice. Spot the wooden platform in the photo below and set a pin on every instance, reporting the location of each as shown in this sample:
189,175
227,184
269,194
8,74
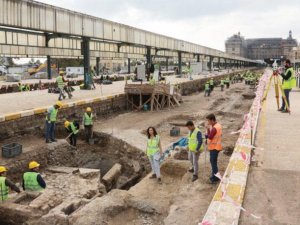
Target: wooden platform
157,96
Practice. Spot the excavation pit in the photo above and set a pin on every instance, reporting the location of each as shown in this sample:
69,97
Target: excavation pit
73,177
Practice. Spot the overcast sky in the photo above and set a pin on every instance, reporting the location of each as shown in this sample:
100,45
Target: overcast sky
208,23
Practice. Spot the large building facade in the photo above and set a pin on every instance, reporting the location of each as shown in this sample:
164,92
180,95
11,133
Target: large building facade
260,48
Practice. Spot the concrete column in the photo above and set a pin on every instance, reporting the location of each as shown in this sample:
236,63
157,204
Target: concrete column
210,63
48,59
148,57
85,48
219,62
128,66
167,63
179,63
97,65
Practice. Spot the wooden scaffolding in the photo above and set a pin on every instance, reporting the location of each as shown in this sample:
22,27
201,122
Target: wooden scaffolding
154,97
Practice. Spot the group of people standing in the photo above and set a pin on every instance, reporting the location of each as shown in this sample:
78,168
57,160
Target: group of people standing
210,85
213,141
71,127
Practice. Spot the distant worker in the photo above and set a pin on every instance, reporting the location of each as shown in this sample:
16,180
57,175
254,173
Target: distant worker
206,89
60,80
211,84
23,87
227,82
194,148
214,141
5,184
73,129
32,180
88,124
222,84
289,82
154,152
51,119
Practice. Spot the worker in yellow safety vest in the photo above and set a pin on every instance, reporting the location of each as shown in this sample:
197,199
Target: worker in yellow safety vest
207,89
32,180
289,82
88,123
211,84
222,83
73,129
5,184
51,118
194,148
154,152
61,82
214,144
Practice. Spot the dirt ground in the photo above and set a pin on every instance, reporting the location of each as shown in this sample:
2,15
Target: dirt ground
177,200
180,201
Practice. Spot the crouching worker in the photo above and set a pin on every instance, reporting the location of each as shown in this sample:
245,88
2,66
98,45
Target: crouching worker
154,152
5,184
72,128
194,148
32,180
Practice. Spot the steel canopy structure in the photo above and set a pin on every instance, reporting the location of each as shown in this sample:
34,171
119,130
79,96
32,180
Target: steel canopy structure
34,29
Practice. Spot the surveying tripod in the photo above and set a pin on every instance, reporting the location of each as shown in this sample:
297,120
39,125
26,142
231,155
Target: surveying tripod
278,88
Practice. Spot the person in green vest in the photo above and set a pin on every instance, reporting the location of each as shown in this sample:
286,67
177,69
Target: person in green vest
88,124
206,89
154,152
32,180
211,84
289,82
194,148
73,129
222,84
227,82
51,119
23,87
5,184
60,81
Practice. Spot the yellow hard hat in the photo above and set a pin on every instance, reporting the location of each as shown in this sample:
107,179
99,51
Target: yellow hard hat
59,104
2,169
61,72
67,123
89,109
33,164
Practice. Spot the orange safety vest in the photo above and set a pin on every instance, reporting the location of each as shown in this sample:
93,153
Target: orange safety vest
216,142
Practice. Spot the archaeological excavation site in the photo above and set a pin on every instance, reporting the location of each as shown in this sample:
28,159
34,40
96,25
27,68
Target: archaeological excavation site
106,182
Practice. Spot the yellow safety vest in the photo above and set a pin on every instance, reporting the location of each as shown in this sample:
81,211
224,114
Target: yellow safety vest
193,141
88,120
30,182
291,82
3,189
53,115
60,82
152,145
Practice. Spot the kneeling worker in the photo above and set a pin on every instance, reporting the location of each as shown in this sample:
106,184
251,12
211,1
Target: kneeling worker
73,129
32,180
88,124
194,148
5,184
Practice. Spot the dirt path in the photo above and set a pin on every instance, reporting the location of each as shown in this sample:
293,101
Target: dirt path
180,201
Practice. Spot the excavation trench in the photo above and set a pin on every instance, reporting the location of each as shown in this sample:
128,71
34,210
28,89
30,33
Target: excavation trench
74,177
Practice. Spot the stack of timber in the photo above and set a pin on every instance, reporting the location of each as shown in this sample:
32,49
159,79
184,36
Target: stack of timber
157,96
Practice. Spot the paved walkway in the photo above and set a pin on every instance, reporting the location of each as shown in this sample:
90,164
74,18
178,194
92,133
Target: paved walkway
21,101
273,190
